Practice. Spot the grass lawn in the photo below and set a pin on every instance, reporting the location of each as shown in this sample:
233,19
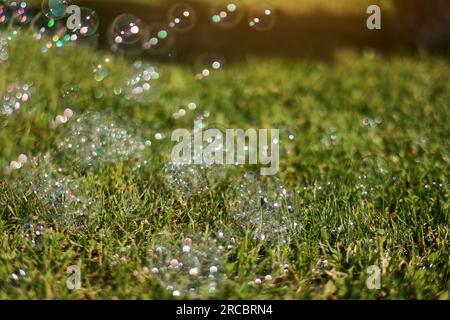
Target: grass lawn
341,122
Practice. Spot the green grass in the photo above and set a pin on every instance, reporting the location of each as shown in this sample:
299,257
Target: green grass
403,226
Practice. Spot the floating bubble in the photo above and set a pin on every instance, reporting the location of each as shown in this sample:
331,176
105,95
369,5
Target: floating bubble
182,17
69,90
262,17
89,22
227,15
16,97
54,9
262,206
95,139
140,82
158,39
126,29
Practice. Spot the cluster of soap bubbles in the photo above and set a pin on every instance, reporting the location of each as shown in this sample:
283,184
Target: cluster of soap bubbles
63,195
190,266
16,97
262,206
95,139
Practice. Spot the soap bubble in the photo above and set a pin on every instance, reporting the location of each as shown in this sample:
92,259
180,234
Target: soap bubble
182,17
126,29
373,174
227,15
54,9
158,39
89,22
262,206
69,90
262,17
16,97
140,82
190,265
95,139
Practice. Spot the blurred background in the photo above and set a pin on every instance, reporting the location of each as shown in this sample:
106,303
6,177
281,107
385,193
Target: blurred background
293,28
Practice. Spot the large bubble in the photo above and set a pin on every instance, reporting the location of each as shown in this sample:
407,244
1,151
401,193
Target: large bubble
98,138
263,207
54,9
61,196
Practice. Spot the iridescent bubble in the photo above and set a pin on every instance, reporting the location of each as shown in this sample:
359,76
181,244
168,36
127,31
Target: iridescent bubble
95,139
89,22
262,17
158,39
262,206
227,14
126,29
54,9
182,17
